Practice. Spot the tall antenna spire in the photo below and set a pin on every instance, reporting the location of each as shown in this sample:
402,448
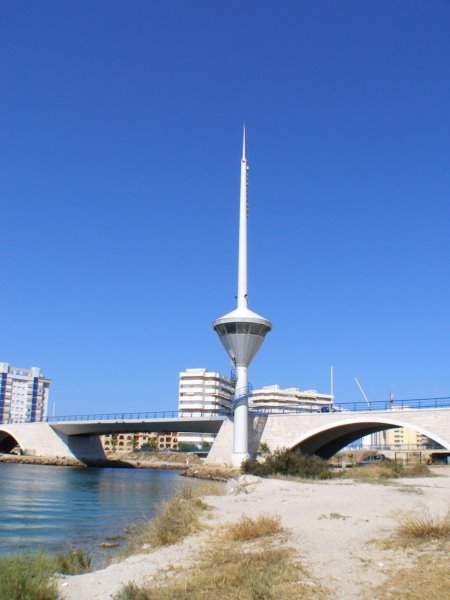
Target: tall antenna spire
242,293
241,332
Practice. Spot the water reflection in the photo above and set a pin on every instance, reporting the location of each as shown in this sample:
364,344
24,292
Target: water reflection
59,507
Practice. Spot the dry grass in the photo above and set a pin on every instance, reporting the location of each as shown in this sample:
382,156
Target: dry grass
427,579
178,518
247,529
383,472
418,470
422,527
428,541
259,570
209,488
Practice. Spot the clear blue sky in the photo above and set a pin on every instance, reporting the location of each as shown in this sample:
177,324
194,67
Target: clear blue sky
119,181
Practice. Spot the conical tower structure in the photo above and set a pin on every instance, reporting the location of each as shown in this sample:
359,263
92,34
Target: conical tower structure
242,331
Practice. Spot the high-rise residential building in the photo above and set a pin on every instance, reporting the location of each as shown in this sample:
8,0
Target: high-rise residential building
277,400
206,393
202,392
23,394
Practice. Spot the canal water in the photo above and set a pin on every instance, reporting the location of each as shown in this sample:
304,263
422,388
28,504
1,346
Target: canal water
58,508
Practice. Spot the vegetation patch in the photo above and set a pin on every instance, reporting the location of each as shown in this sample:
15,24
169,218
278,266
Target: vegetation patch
247,529
419,528
428,541
27,577
383,472
333,516
74,562
427,579
30,576
258,570
287,462
178,518
210,472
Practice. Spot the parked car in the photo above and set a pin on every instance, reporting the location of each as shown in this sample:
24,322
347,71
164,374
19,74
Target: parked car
373,459
328,409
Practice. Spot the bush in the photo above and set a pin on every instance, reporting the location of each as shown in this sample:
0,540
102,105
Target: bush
423,526
73,562
27,577
286,462
247,529
178,518
187,447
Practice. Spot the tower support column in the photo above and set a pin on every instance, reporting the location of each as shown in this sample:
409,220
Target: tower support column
240,429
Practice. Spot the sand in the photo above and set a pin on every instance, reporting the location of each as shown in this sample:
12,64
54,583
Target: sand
332,527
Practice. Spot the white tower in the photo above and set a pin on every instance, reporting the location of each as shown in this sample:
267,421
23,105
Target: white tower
242,332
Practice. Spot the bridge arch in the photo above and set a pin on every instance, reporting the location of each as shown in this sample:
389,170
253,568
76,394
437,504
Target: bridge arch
8,442
327,440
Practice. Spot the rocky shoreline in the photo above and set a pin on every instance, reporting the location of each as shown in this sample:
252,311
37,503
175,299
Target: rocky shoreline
39,460
197,470
211,473
108,463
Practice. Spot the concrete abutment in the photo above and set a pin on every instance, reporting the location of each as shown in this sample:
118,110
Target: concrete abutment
39,439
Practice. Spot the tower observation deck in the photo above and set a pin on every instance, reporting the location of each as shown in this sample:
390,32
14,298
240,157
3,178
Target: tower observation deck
242,331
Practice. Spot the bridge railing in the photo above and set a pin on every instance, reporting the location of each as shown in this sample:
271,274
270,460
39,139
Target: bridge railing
395,405
134,416
407,404
242,393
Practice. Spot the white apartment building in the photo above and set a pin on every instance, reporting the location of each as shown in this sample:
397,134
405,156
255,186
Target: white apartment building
203,392
23,394
275,399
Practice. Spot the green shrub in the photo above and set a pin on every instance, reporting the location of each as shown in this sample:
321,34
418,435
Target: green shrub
27,577
73,562
177,519
286,462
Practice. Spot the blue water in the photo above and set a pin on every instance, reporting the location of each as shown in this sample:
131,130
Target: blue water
63,507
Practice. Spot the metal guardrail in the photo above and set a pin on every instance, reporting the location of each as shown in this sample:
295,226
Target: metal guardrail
242,393
123,416
379,406
384,406
133,416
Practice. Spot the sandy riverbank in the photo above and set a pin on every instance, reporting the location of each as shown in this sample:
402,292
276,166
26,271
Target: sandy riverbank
332,526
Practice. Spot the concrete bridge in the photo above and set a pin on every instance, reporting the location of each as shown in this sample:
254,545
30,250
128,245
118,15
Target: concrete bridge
78,437
323,434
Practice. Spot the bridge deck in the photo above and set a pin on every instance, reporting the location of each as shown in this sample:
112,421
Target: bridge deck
180,424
